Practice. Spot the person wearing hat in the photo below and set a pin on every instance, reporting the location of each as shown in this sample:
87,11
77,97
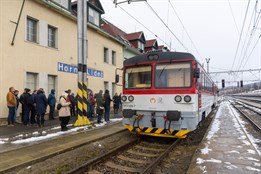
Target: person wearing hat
27,106
64,112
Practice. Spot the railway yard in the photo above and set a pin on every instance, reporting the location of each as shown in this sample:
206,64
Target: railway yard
228,142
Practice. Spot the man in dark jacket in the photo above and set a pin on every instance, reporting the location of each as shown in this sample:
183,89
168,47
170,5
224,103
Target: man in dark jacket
41,105
21,100
51,103
100,106
27,106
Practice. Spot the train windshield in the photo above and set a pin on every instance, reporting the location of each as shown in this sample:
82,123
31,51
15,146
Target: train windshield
174,75
137,77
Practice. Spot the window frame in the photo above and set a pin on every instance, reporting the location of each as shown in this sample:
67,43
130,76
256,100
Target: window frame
35,32
105,55
191,79
55,30
92,17
113,57
124,81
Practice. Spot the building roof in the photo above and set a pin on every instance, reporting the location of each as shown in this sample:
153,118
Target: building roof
114,31
151,43
136,36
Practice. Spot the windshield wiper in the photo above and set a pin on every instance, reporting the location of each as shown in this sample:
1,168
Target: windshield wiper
164,69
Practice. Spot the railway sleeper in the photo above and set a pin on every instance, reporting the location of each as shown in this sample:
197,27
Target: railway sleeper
122,168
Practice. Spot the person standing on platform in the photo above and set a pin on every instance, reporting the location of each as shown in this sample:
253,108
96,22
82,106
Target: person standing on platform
33,109
11,104
116,103
41,105
73,104
21,100
107,105
16,93
51,103
64,112
27,106
91,102
99,106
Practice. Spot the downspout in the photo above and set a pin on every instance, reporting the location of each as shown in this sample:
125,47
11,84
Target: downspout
17,23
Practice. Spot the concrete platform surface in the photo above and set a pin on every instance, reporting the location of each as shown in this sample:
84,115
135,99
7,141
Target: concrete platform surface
227,148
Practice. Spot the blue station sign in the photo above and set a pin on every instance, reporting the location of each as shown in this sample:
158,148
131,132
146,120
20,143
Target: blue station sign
74,69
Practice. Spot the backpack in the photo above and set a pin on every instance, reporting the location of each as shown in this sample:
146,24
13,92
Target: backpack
59,106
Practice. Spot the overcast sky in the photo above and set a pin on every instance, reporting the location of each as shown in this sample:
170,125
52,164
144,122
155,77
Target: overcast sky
213,31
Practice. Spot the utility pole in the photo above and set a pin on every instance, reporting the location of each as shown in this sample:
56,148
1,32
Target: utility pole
82,63
207,60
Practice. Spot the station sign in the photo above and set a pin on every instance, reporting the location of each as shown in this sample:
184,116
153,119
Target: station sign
63,67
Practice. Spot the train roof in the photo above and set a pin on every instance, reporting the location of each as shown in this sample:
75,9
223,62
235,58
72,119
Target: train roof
162,56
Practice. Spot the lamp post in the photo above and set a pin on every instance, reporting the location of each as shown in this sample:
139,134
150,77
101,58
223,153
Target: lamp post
207,60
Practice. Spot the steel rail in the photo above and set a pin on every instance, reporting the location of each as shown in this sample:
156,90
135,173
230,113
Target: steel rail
244,105
154,164
85,166
248,118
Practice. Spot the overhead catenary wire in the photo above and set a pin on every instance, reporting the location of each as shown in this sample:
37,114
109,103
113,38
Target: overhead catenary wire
166,26
145,27
241,34
185,30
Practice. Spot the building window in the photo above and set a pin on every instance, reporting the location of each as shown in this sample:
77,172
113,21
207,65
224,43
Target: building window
141,46
106,55
113,57
51,83
52,35
106,85
113,89
31,33
31,81
94,17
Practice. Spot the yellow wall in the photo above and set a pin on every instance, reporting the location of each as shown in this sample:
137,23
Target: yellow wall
25,56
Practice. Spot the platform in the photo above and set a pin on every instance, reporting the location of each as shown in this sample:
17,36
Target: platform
227,148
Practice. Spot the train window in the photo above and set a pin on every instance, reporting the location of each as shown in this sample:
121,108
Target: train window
174,75
137,77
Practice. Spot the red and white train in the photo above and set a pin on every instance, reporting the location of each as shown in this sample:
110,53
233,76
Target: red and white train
165,94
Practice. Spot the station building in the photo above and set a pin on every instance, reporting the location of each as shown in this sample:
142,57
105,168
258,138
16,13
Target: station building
42,51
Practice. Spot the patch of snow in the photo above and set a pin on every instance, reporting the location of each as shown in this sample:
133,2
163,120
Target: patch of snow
252,159
231,167
246,142
36,133
228,163
234,151
253,169
257,164
212,160
242,137
205,150
251,151
29,167
200,161
203,169
2,142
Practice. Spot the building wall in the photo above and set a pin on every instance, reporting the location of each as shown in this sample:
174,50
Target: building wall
25,56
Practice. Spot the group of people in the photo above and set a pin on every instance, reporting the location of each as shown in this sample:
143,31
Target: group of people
34,105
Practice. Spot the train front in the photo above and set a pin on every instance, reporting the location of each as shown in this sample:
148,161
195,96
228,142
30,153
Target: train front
159,94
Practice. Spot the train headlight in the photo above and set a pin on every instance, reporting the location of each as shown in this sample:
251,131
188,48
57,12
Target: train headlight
124,98
187,98
178,98
131,98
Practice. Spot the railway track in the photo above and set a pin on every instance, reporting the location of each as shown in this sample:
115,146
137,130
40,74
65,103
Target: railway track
141,157
252,115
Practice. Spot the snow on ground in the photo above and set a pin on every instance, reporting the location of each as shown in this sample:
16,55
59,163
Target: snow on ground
39,136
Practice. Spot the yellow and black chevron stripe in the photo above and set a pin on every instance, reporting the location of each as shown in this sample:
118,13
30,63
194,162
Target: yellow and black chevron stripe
80,99
159,132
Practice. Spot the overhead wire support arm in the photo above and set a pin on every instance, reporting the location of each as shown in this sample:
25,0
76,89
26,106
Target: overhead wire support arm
128,1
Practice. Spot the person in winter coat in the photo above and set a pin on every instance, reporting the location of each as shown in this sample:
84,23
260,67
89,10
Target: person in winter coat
73,104
91,102
16,93
64,112
33,109
27,106
116,103
11,104
41,105
51,103
107,104
21,100
99,106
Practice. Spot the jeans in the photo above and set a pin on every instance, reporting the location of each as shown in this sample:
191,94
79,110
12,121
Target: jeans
11,114
26,115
